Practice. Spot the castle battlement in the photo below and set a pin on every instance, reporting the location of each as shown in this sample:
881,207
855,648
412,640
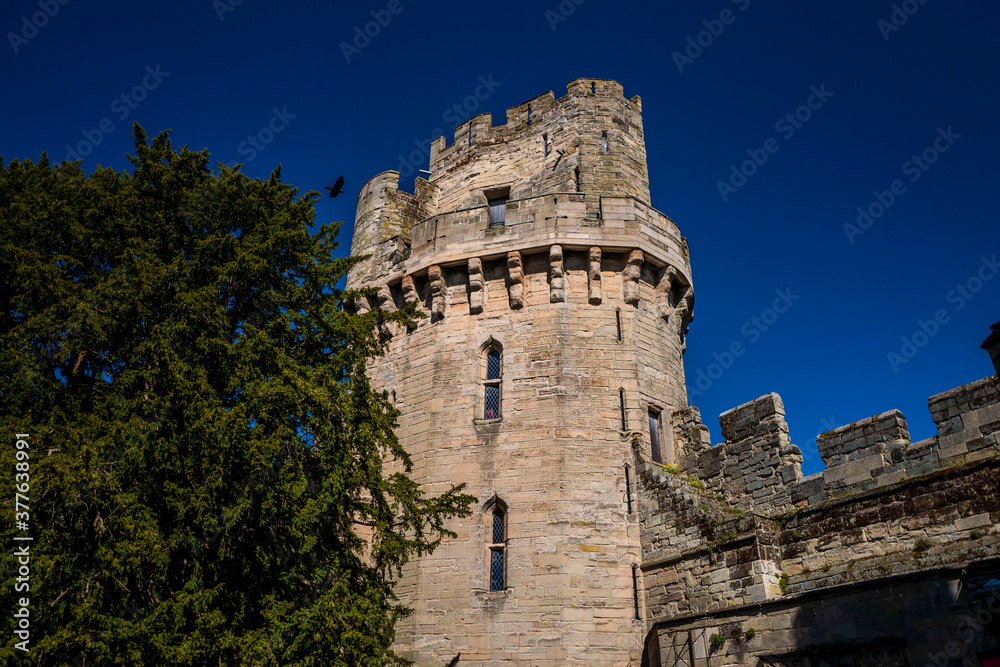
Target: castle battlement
548,377
758,468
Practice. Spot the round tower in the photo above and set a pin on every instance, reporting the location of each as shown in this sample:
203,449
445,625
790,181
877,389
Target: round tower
557,302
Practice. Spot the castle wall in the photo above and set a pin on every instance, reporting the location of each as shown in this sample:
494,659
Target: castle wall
588,295
621,549
882,556
557,460
901,566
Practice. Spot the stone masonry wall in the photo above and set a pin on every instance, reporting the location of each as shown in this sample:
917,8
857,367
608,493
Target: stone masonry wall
886,557
587,295
758,468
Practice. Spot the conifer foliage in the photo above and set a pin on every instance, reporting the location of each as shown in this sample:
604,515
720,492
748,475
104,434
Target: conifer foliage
213,479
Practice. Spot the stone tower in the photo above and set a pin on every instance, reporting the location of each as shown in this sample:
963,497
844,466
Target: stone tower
557,300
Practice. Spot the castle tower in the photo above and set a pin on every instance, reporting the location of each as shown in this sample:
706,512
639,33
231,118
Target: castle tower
557,302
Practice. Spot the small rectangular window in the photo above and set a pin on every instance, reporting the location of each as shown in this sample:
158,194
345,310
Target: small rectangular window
498,211
604,141
492,402
654,435
496,570
618,323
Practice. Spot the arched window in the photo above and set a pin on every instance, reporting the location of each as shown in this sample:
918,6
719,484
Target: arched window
496,546
491,383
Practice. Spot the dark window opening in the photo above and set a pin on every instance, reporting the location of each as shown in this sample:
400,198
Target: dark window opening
546,138
621,407
635,590
618,323
593,88
604,140
628,490
576,176
654,435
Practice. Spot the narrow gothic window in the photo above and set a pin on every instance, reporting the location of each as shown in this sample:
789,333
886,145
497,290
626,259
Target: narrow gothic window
546,138
628,489
576,175
497,550
618,323
654,435
621,408
491,394
604,141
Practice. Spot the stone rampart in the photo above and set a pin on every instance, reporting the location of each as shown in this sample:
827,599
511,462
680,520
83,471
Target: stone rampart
758,468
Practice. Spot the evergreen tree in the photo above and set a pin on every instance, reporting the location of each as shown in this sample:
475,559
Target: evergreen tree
210,468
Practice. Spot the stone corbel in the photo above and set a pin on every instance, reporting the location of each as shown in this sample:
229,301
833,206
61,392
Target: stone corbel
439,290
594,292
630,276
409,290
663,306
557,280
517,288
385,300
477,286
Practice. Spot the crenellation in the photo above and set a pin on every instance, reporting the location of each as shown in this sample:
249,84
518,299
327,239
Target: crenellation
563,313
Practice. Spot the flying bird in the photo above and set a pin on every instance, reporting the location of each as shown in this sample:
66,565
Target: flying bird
454,661
337,187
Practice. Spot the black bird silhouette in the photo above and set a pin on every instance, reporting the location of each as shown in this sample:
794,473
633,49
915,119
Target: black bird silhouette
454,661
337,187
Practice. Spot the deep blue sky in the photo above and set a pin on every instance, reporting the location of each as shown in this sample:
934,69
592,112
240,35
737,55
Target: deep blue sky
783,229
